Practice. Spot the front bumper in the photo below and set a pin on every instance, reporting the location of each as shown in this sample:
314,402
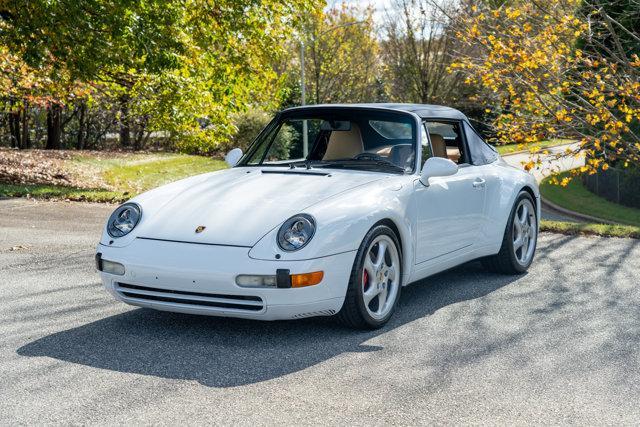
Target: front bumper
200,279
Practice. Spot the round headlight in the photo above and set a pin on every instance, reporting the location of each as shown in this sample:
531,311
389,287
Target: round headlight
296,232
124,219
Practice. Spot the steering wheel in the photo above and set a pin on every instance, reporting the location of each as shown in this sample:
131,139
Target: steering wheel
368,156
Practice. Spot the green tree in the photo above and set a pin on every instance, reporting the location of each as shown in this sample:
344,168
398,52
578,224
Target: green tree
168,66
418,46
341,53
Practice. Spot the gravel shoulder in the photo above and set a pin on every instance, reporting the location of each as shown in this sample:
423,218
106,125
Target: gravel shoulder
555,346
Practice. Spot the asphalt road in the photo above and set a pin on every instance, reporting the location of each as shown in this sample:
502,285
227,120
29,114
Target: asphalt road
549,163
558,345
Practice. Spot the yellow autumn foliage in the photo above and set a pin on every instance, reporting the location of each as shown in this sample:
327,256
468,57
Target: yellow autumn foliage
545,86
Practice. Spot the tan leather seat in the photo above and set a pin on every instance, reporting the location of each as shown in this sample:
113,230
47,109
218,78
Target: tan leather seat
344,144
438,145
453,154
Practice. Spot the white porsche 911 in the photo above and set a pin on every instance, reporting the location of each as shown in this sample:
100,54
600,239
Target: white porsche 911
332,210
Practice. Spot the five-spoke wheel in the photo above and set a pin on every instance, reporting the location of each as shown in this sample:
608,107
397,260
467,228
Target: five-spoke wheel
524,232
375,282
380,279
519,241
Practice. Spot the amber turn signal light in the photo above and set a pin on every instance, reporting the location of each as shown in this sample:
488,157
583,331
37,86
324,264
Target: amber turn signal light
307,279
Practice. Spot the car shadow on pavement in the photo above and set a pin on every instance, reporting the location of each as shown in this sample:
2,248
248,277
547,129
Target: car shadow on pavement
225,352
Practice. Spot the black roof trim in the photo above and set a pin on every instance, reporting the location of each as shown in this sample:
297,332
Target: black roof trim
423,111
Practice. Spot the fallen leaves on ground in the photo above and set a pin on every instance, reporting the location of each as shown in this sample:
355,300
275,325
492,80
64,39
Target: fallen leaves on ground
34,167
62,167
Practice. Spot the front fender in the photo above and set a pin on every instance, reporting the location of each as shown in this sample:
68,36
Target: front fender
342,222
151,202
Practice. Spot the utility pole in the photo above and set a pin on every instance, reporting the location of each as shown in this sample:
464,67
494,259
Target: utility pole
303,90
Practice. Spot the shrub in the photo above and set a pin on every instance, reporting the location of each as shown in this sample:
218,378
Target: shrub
249,125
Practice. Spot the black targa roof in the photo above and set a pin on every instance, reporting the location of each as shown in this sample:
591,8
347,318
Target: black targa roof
424,111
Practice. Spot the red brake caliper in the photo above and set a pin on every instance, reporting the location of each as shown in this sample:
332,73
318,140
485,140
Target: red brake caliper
365,279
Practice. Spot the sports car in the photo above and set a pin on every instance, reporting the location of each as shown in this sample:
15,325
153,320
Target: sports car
330,212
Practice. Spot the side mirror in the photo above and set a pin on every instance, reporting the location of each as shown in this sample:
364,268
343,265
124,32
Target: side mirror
437,166
233,157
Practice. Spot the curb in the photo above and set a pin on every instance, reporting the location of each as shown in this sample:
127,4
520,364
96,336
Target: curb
577,215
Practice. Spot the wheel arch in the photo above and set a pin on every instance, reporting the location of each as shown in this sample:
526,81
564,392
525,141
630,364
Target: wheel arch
405,249
537,203
512,200
392,225
532,193
512,183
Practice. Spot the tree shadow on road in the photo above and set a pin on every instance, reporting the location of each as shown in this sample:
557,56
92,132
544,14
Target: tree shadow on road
221,352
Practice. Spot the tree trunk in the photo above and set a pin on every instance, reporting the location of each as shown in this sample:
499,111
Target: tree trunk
14,129
81,125
137,143
140,140
145,140
125,124
26,141
54,128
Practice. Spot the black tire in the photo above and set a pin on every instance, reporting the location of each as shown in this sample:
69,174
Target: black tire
505,261
353,312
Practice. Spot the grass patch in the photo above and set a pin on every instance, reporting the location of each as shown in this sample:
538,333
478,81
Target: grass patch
577,198
105,160
58,192
514,148
142,176
605,230
122,176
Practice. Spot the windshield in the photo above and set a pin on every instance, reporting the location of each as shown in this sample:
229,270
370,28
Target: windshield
356,139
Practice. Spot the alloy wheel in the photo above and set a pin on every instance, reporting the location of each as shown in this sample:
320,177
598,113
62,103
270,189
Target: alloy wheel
380,276
525,232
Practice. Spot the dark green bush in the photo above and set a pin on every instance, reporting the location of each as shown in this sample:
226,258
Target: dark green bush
250,124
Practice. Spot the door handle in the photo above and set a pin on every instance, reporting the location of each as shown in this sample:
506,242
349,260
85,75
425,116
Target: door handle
478,183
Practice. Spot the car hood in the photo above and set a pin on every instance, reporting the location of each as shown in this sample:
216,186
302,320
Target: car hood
240,205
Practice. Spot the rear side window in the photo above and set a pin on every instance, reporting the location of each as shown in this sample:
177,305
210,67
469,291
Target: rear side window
481,152
446,141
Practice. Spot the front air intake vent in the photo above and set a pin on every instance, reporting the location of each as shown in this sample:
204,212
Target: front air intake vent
185,298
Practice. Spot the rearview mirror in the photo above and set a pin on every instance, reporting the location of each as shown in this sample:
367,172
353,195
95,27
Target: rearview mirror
437,166
233,157
337,125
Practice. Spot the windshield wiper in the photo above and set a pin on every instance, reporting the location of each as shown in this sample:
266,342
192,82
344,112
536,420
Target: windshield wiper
348,163
352,163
